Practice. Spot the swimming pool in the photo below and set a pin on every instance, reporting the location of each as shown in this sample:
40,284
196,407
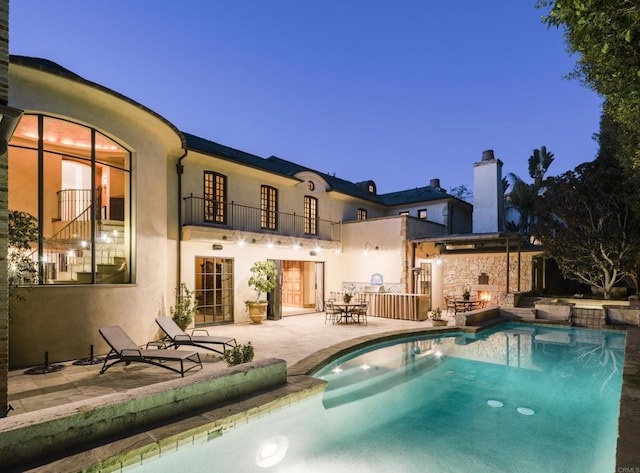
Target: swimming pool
519,398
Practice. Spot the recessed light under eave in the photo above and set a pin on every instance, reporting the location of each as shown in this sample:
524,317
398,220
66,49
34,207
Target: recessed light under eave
460,246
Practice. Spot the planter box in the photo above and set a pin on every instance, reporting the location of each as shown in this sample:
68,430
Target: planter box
622,315
556,311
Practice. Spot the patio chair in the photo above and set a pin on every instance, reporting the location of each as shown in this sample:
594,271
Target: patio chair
124,350
331,313
361,313
450,305
176,337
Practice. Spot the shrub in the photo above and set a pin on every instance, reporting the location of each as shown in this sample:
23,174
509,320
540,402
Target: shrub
185,308
239,354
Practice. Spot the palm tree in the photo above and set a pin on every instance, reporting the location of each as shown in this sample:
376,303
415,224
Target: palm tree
539,163
523,196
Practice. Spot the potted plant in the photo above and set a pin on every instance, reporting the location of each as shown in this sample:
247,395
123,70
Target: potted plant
436,318
185,308
262,280
348,295
466,295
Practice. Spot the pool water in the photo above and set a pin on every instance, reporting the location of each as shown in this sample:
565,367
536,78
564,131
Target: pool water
520,398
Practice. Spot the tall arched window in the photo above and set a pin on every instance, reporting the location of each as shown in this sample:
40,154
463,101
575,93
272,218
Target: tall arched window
75,181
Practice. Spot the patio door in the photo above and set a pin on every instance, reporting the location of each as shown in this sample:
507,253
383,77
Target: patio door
300,286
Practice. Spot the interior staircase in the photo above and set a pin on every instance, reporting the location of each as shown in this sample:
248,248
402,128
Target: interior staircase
69,258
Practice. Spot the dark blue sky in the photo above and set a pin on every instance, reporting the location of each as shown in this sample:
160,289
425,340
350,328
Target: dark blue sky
395,91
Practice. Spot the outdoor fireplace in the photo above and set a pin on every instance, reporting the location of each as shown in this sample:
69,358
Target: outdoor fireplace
485,291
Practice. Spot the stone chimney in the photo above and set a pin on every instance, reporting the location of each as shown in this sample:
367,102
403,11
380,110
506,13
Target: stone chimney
435,183
488,199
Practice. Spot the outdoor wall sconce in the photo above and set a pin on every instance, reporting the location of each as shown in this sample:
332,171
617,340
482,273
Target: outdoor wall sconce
368,246
437,257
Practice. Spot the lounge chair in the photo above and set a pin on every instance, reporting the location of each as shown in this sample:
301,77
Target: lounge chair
177,337
124,350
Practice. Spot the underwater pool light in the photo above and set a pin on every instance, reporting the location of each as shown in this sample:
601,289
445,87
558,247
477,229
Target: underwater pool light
525,411
272,451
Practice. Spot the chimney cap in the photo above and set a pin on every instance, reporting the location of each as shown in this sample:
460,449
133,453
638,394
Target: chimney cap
487,155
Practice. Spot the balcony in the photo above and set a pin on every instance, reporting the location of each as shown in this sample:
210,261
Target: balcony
236,217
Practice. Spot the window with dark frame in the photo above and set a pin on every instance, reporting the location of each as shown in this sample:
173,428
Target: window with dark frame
362,214
215,193
89,176
310,215
422,214
268,208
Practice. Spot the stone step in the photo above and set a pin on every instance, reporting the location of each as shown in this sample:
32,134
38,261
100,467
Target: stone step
519,313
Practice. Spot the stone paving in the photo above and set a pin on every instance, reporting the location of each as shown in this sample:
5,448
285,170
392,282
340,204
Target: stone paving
292,339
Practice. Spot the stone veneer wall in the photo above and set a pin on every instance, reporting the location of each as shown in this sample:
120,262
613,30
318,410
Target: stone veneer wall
461,271
4,185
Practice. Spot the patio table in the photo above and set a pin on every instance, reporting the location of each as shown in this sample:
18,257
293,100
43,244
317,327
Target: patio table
349,311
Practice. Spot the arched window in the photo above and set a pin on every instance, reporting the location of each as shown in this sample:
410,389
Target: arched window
75,181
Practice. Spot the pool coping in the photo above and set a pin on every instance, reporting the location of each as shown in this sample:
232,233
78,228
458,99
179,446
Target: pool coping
203,426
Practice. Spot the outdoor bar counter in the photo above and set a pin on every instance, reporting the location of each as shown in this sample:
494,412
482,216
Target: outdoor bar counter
393,305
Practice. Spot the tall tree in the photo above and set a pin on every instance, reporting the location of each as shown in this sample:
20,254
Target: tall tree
539,163
587,221
606,36
523,195
522,198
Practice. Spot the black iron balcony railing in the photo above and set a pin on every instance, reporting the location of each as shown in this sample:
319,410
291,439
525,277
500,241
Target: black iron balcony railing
216,214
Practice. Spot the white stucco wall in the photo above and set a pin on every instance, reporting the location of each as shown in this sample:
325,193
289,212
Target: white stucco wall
64,320
389,259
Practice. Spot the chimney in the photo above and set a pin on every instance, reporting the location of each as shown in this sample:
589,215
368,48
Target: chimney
488,199
435,183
